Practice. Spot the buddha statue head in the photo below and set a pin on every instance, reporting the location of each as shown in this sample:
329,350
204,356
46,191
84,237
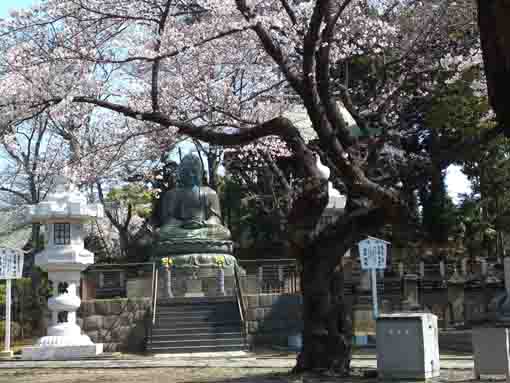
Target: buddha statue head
190,171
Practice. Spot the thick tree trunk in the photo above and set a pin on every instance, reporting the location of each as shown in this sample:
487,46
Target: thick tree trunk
327,326
493,17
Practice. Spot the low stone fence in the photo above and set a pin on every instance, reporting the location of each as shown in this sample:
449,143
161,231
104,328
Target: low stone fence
120,324
271,318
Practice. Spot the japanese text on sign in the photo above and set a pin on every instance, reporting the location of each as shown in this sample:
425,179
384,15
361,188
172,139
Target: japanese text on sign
11,263
372,254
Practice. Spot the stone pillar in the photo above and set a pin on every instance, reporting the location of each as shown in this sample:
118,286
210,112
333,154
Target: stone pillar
442,269
401,269
463,267
411,294
456,298
364,283
260,278
506,264
484,269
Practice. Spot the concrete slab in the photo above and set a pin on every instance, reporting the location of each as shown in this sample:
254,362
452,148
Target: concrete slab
51,353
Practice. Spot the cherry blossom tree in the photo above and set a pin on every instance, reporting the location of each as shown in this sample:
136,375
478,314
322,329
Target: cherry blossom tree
31,158
224,72
494,31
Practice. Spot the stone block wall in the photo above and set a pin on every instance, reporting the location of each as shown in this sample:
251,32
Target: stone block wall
271,318
120,324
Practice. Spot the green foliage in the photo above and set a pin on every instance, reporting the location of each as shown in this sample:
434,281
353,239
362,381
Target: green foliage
486,212
249,216
455,114
456,110
29,304
136,195
439,214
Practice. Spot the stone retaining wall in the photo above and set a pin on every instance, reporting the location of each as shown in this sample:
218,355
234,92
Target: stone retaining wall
120,324
271,318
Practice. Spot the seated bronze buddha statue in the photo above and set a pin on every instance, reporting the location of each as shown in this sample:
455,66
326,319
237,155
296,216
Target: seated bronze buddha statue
191,215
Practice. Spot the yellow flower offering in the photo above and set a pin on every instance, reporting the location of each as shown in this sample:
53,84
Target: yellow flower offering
167,262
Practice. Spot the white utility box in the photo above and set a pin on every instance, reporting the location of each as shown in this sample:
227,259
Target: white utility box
407,346
491,351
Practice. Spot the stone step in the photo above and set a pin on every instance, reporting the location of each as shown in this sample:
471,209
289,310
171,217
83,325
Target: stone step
189,330
196,335
197,324
194,301
188,349
192,316
230,307
196,342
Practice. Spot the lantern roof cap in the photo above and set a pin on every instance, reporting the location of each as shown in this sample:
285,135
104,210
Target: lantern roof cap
65,202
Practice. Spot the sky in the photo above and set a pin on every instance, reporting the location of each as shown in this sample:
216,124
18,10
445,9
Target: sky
5,5
456,181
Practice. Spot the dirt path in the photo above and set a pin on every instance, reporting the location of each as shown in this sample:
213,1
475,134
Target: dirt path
188,375
144,375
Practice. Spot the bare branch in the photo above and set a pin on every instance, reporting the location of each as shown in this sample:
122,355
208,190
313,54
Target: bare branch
16,193
272,48
289,10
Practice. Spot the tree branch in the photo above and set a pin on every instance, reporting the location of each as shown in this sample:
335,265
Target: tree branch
290,11
271,48
16,193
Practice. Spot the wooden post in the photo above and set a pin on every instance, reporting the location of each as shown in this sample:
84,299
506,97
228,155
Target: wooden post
8,307
373,275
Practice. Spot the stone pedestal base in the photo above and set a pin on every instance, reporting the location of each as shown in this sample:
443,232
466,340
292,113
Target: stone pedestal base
6,354
194,288
491,352
61,352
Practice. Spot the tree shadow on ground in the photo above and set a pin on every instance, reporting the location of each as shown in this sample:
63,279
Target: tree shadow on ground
289,377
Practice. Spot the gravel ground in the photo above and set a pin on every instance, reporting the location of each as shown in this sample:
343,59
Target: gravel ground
193,375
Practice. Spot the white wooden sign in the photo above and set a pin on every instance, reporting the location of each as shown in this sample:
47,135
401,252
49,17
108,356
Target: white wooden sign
11,263
372,253
11,267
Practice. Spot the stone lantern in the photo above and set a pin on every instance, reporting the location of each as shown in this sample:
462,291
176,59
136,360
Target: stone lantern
63,213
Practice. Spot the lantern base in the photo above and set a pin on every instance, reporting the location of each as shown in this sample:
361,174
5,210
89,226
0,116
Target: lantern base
61,352
6,354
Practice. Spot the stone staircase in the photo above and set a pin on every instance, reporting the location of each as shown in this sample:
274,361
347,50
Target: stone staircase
205,324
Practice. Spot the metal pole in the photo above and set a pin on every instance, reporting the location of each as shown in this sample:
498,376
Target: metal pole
155,300
374,293
169,282
8,304
221,281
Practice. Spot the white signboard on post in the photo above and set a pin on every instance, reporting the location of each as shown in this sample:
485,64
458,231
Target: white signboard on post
373,253
11,263
11,267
